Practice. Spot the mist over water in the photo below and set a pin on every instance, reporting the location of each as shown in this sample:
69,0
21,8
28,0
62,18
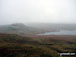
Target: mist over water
37,28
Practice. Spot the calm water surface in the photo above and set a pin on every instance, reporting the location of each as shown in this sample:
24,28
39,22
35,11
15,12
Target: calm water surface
61,32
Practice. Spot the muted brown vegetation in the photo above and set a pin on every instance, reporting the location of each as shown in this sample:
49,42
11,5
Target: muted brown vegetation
12,45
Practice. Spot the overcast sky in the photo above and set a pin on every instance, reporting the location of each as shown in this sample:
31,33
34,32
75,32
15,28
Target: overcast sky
43,11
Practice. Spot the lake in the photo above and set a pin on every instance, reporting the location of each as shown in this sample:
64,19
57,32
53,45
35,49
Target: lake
61,32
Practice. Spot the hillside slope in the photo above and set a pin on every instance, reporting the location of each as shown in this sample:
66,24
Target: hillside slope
12,45
19,28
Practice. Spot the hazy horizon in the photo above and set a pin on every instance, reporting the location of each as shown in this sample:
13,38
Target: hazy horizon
37,11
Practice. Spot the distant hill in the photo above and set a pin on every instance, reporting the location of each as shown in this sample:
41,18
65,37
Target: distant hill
19,28
53,27
34,28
